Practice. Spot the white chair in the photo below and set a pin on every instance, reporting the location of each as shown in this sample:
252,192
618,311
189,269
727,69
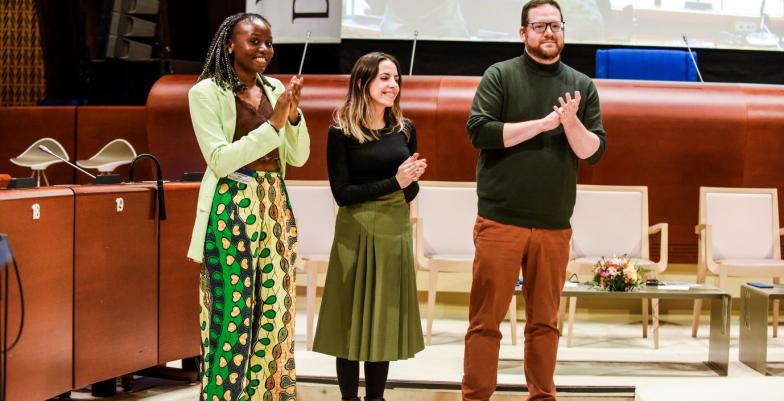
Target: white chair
613,220
38,160
739,236
315,209
444,215
114,154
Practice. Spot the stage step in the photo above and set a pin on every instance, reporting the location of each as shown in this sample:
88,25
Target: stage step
326,389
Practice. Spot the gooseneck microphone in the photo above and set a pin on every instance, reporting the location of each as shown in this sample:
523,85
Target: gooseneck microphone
413,53
158,182
304,52
693,60
44,149
763,37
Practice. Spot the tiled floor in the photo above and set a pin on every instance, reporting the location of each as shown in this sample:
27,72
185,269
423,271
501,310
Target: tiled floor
604,353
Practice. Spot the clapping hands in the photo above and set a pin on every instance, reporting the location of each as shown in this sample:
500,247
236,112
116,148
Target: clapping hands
294,88
287,103
410,170
567,113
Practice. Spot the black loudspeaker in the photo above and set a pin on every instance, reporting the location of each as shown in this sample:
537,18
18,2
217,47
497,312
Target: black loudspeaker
130,28
140,7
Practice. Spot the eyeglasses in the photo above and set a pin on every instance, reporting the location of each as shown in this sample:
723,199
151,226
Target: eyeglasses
540,27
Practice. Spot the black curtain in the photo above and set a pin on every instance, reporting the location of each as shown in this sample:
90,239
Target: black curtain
62,41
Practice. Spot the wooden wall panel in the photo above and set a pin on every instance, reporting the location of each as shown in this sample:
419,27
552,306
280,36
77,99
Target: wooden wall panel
21,126
98,125
39,367
764,160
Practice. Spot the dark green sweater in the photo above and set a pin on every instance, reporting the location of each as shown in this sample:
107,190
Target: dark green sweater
532,184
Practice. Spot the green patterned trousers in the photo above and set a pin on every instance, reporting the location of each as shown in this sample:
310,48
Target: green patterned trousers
247,293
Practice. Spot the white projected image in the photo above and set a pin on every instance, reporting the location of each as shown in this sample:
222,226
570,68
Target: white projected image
728,24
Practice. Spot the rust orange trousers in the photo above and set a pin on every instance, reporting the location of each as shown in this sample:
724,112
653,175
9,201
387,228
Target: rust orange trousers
501,252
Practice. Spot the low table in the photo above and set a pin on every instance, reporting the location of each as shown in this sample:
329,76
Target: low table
720,302
754,308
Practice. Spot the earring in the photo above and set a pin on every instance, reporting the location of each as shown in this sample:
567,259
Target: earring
230,51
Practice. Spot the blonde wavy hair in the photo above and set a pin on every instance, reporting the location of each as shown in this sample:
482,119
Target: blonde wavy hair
355,115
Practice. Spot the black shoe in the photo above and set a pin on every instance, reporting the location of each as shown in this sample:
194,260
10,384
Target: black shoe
374,399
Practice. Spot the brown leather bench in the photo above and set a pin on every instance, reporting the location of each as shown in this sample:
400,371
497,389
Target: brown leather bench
672,137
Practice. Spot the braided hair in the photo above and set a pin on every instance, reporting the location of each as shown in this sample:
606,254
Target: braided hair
219,64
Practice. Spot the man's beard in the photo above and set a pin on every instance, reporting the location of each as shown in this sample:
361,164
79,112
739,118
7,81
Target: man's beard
542,55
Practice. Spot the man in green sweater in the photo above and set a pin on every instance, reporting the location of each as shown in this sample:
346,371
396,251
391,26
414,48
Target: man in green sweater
533,117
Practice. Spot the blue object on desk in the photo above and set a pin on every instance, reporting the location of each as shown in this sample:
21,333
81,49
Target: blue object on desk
5,251
759,285
646,64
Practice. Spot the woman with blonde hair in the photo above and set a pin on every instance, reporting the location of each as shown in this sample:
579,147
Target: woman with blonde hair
369,311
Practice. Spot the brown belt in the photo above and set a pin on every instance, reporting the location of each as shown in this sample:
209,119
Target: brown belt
264,165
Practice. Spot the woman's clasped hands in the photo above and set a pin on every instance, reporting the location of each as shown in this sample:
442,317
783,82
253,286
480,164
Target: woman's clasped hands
410,170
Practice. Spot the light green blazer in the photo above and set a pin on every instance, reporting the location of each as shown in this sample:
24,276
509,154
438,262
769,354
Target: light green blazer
214,116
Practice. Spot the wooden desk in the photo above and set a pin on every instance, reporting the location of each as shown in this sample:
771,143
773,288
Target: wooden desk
754,309
720,301
178,306
40,366
115,282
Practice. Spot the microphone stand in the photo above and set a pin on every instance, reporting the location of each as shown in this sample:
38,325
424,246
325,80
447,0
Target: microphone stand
158,181
764,37
304,52
44,149
101,179
693,60
413,53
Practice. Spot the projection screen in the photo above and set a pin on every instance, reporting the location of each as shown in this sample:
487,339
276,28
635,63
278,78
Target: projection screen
725,24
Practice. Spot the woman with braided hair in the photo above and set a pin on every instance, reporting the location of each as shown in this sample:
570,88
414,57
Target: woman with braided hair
249,128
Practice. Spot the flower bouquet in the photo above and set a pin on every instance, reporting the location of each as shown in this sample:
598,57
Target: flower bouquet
617,274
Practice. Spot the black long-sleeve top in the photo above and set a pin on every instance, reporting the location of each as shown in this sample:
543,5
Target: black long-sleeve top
364,172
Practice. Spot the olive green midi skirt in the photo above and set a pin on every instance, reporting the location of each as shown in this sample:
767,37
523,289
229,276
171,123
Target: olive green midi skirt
369,311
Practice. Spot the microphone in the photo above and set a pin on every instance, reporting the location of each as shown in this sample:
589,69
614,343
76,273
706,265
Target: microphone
693,61
158,182
764,37
304,52
413,53
44,149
